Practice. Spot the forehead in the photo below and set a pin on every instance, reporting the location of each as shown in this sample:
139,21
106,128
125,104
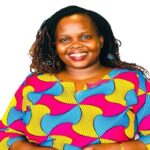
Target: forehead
76,17
75,22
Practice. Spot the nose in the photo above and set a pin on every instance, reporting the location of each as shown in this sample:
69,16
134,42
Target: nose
75,45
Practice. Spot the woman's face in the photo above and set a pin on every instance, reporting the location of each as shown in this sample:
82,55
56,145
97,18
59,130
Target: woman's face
77,42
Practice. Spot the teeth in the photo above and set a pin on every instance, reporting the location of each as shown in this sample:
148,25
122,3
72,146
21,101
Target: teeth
78,54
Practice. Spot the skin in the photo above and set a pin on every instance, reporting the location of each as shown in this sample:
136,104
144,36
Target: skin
75,35
23,145
78,46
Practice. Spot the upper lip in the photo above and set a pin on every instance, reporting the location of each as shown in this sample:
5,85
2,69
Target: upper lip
76,52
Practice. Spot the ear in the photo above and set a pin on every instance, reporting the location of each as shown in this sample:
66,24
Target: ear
101,40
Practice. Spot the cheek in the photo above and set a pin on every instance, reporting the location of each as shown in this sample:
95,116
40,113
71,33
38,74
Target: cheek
94,46
60,49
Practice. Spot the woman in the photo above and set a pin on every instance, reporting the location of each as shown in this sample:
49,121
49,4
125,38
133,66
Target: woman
80,95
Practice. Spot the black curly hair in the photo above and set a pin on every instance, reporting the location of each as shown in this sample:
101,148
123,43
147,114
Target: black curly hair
43,51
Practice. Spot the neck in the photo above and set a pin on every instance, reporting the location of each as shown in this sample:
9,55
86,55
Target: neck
83,74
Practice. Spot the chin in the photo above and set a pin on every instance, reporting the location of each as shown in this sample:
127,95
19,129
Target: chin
79,67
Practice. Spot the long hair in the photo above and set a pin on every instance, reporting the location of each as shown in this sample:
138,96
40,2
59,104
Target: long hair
43,51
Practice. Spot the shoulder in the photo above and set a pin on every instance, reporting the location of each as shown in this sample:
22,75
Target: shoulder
45,77
132,76
38,82
125,73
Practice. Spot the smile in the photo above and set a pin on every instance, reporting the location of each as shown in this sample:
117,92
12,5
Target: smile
78,56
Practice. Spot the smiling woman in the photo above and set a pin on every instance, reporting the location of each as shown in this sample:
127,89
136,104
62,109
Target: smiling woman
80,94
78,44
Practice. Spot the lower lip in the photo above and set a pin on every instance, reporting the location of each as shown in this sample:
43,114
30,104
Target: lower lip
81,58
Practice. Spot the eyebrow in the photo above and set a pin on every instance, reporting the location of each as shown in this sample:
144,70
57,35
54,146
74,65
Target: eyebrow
65,34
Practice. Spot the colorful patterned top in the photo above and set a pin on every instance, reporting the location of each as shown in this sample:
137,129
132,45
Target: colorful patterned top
50,112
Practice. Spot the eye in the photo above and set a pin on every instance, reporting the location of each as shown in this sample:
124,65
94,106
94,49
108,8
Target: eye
85,37
64,40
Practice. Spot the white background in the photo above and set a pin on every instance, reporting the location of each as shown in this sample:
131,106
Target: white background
20,20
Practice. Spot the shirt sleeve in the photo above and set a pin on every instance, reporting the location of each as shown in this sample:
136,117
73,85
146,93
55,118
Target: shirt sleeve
142,110
12,126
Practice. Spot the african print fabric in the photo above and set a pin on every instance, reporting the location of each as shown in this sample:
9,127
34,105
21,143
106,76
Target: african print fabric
50,112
